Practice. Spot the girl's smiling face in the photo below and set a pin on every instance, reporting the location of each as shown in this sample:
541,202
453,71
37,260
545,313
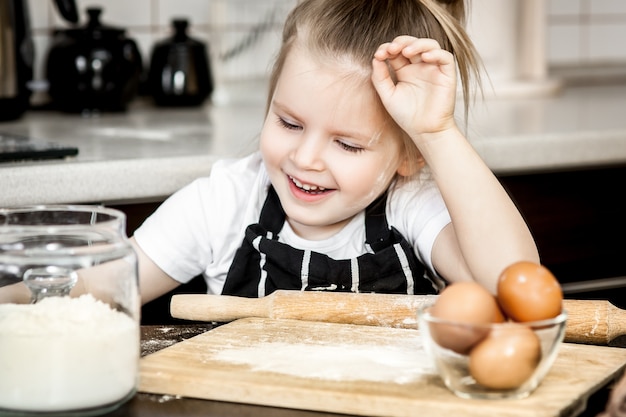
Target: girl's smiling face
327,145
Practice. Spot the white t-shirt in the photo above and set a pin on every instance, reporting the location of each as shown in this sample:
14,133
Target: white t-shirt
199,228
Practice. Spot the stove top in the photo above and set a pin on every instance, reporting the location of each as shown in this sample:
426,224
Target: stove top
20,148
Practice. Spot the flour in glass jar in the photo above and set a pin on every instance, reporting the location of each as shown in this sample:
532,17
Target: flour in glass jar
66,354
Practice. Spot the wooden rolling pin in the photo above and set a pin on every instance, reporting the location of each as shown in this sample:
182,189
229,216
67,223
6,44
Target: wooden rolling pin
589,321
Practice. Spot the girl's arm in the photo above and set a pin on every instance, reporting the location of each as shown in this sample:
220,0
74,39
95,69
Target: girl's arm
15,293
153,282
486,226
487,232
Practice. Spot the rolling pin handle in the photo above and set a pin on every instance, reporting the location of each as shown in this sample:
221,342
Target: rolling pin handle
616,321
218,308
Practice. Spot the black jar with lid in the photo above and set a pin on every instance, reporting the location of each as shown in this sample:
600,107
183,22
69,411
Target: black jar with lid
180,72
93,68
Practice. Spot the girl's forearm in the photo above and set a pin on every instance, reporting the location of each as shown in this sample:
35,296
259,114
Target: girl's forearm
17,293
490,230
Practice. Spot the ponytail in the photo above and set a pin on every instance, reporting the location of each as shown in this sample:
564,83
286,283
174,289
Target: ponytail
451,15
456,8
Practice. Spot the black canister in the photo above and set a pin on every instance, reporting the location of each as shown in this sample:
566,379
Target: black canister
180,72
94,68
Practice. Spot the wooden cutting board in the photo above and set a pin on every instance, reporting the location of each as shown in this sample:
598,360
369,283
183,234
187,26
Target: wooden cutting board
352,369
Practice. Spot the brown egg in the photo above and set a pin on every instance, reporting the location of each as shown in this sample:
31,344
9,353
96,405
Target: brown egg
506,358
466,304
528,291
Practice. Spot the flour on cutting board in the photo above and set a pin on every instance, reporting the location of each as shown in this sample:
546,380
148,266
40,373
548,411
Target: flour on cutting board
349,362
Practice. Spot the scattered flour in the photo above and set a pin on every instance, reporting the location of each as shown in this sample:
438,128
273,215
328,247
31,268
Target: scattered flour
346,362
66,354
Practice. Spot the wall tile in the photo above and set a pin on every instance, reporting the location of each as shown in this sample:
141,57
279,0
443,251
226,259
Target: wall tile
248,63
246,36
563,7
39,13
606,42
564,44
41,43
610,7
235,13
144,42
122,13
196,11
587,32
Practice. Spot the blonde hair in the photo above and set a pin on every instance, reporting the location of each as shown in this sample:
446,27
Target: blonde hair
353,30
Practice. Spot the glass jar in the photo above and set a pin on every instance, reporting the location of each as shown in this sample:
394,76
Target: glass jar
69,311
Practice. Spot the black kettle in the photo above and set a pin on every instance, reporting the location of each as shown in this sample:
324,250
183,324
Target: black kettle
17,54
94,68
180,71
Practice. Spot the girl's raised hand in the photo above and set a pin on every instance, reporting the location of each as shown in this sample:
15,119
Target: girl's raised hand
416,81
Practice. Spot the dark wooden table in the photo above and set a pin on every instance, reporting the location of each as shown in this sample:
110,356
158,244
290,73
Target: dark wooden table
157,337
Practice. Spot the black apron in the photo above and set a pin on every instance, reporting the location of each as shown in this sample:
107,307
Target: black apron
263,264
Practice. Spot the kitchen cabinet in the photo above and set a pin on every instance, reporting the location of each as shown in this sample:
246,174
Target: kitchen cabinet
578,219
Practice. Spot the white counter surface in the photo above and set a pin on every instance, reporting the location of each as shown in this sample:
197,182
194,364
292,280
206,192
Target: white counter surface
148,153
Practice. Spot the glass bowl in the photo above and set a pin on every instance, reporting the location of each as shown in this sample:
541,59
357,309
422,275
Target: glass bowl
493,361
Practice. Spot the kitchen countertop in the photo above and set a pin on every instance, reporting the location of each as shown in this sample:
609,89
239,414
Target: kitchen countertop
147,153
581,127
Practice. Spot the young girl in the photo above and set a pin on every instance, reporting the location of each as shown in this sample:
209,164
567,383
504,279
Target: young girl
363,181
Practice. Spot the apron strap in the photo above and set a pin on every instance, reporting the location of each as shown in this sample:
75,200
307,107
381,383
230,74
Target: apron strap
272,216
378,235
